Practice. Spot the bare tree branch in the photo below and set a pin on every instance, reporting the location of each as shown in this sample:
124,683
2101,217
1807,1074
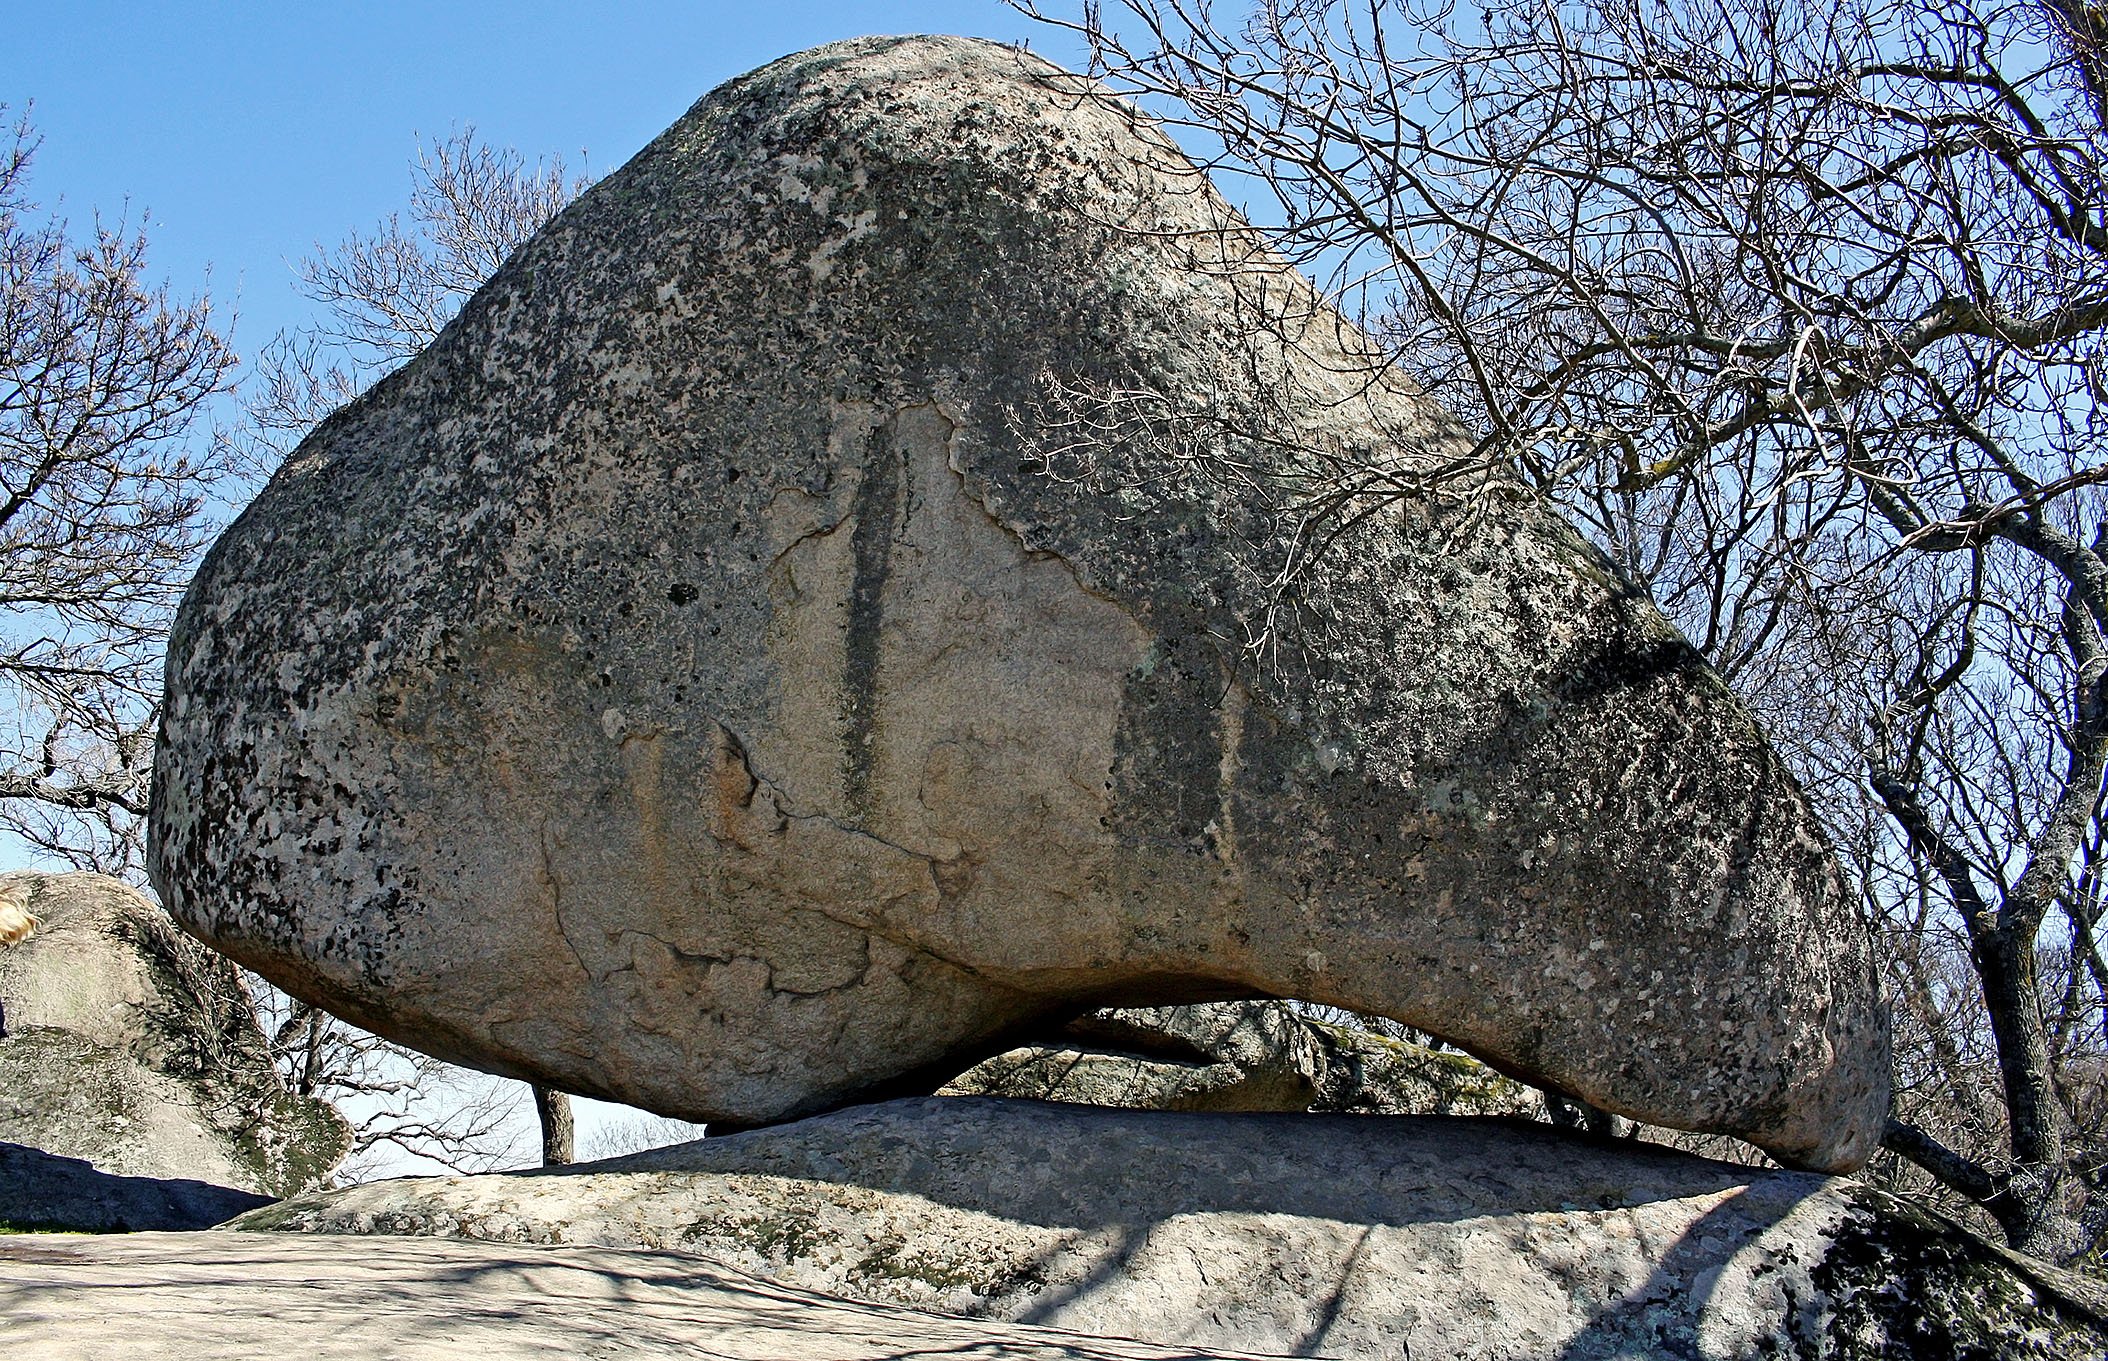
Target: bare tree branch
105,503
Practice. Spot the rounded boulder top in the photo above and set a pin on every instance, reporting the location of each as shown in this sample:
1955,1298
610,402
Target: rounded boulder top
847,593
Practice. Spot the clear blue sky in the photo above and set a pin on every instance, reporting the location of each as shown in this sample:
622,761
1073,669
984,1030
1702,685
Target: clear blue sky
252,132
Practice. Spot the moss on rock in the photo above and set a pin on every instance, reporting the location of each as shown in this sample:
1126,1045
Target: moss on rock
129,1045
1902,1285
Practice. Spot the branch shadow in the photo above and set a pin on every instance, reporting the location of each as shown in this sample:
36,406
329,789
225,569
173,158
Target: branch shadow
1359,1178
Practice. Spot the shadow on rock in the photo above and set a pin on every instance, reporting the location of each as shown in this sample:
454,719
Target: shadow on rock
42,1191
1304,1235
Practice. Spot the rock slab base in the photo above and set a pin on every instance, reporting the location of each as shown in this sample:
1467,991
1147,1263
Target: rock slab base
1306,1235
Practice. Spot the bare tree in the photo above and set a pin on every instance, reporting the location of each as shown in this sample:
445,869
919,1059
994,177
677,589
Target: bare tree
385,295
106,499
1798,308
395,1098
638,1132
388,292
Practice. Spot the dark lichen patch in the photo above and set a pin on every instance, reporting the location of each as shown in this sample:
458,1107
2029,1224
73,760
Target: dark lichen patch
1167,750
880,497
894,1259
1901,1285
785,1237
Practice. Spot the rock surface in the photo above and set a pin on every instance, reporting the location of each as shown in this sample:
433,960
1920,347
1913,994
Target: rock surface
127,1045
789,636
1348,1236
43,1192
1243,1056
233,1296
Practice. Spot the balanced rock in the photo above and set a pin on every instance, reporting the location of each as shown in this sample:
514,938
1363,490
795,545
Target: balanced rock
136,1090
1310,1235
842,596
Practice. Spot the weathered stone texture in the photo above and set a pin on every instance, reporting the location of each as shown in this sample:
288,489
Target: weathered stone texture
127,1045
1344,1236
1243,1056
181,1297
787,637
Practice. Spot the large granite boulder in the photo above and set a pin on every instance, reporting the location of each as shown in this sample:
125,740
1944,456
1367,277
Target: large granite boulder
1311,1235
136,1090
842,596
1243,1056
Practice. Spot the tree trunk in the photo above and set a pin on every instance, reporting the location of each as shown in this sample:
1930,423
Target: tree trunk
557,1130
2030,1206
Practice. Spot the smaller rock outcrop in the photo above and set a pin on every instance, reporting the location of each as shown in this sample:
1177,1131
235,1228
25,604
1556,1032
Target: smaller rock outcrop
129,1055
1243,1056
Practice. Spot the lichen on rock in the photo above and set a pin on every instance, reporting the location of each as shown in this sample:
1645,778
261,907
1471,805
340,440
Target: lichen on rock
1306,1235
787,639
